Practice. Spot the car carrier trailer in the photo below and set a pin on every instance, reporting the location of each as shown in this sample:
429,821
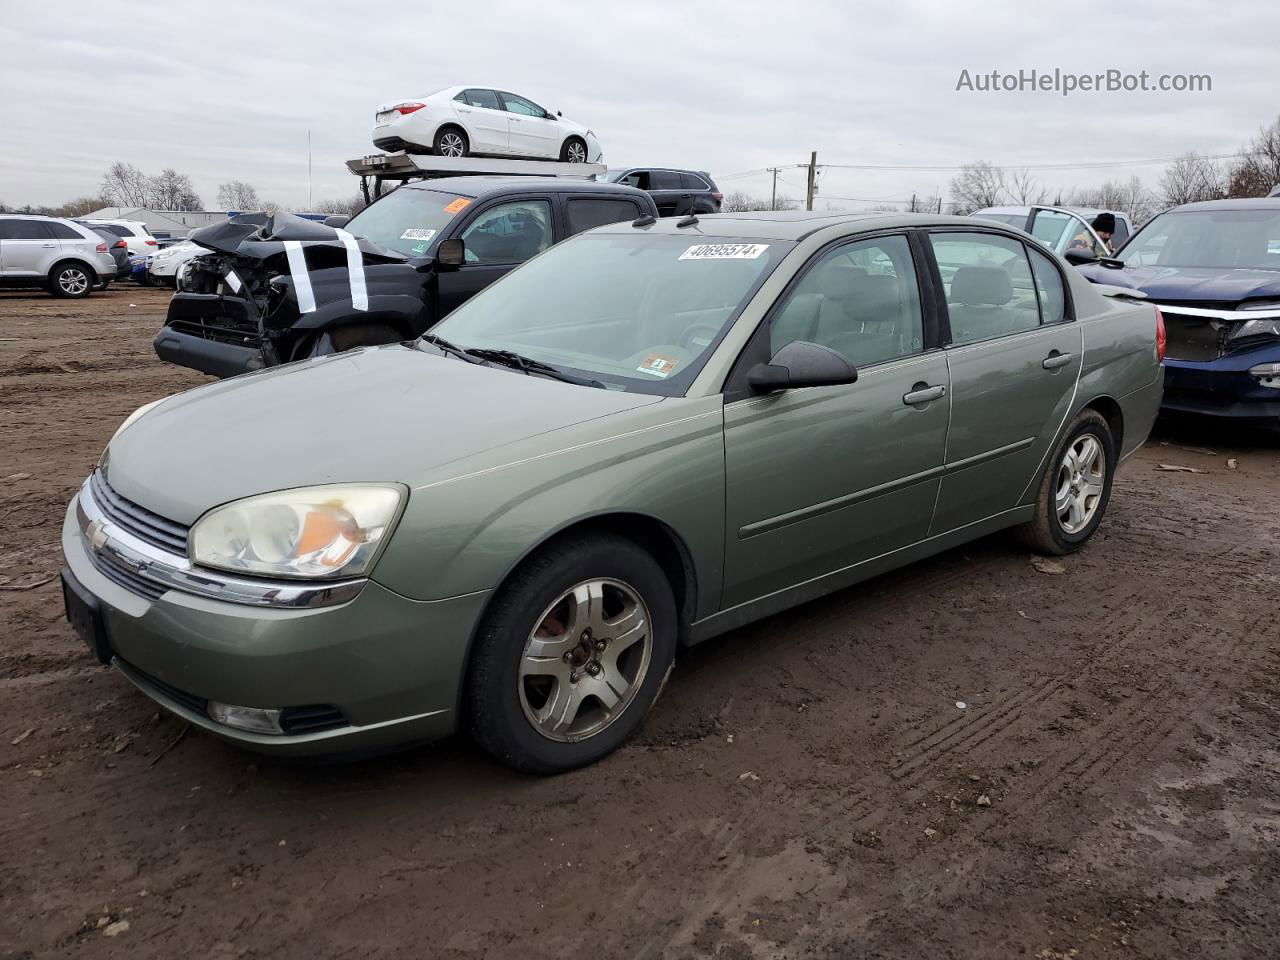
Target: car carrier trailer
376,169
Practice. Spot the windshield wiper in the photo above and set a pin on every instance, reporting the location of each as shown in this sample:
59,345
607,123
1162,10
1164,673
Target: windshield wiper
518,361
449,348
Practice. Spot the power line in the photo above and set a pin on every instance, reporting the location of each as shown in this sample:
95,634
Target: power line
1079,165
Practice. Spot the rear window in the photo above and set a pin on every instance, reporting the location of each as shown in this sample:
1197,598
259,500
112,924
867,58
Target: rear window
590,212
486,99
408,220
62,231
120,230
24,230
691,181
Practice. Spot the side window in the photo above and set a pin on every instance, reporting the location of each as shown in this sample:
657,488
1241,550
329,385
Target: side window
691,181
520,105
664,180
486,99
860,299
510,232
1054,229
1053,298
637,178
61,231
24,230
988,285
587,213
119,230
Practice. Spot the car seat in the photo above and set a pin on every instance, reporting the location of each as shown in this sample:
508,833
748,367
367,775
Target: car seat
977,301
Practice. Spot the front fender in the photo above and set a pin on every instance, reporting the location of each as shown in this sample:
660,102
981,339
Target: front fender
665,461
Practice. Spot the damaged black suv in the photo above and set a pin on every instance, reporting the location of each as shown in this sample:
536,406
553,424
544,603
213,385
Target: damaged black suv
277,288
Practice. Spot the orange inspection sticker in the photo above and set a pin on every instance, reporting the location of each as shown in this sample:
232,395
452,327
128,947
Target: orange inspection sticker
657,365
457,204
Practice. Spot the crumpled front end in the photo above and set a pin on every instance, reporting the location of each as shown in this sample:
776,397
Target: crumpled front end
271,284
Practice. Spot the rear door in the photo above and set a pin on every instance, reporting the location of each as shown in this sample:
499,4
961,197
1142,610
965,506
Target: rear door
585,212
822,478
489,123
29,247
533,132
1014,359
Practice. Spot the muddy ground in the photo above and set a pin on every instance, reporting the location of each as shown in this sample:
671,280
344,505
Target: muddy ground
808,786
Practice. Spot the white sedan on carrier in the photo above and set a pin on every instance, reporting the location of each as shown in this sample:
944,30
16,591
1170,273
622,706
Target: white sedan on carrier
482,121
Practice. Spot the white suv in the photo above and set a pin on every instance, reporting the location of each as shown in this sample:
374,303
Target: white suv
63,257
134,232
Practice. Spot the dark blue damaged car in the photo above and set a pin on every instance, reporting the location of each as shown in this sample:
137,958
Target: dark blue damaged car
1213,269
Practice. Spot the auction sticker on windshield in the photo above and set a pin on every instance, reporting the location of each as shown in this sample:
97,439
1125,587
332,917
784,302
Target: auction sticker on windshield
724,251
416,233
458,204
657,365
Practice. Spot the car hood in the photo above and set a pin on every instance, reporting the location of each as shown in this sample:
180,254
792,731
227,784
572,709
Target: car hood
381,414
1190,284
261,236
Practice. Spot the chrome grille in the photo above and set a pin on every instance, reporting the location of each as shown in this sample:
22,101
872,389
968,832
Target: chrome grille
139,521
130,580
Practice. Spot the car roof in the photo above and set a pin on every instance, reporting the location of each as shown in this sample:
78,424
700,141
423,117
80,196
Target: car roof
789,224
1235,203
480,186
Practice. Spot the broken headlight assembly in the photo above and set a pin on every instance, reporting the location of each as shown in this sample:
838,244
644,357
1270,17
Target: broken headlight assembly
1262,326
324,532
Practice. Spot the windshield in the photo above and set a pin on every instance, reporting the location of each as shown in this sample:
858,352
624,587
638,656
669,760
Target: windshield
407,220
635,311
1208,238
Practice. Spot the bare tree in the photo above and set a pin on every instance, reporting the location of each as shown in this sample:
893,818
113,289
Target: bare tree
738,202
172,190
1191,178
124,185
80,207
348,206
1257,169
1023,189
238,195
978,185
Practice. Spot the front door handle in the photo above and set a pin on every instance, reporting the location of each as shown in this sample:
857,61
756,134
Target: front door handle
1055,360
49,245
923,393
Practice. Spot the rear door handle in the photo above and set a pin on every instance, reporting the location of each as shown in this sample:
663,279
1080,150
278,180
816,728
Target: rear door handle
48,244
924,394
1055,360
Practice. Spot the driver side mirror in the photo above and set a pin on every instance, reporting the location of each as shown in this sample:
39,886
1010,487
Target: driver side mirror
1078,256
338,220
801,364
451,254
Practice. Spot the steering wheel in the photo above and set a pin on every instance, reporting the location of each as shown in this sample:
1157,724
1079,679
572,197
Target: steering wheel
686,341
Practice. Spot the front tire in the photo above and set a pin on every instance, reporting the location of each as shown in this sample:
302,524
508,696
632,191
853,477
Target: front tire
71,280
571,655
450,142
574,151
1075,488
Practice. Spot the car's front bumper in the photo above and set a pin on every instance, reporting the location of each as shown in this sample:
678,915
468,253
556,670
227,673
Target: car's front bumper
216,357
389,666
1223,387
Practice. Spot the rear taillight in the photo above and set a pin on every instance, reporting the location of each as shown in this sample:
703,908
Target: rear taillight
717,195
102,248
150,243
120,243
1162,339
407,108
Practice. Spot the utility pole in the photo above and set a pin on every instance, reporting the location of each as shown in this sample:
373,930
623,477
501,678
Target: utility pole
813,180
773,197
310,208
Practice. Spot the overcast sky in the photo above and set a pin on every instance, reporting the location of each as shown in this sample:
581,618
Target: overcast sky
225,89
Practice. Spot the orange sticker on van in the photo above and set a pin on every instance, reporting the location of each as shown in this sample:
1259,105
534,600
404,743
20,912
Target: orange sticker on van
458,204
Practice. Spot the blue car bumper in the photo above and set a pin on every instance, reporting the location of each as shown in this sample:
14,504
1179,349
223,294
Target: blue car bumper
1224,387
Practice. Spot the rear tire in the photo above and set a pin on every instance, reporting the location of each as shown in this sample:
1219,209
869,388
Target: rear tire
450,142
1075,488
350,337
574,151
571,655
71,281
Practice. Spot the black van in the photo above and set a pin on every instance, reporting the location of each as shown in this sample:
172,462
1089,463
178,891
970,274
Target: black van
276,288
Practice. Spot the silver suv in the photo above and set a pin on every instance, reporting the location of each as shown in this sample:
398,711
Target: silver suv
65,258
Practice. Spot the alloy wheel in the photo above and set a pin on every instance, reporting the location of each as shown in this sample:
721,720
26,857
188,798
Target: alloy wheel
451,145
1081,480
73,282
585,660
576,152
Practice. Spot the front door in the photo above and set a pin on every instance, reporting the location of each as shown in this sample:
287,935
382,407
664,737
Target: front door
498,239
533,132
1014,360
29,247
822,478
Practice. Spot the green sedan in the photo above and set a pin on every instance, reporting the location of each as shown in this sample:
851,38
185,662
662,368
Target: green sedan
649,435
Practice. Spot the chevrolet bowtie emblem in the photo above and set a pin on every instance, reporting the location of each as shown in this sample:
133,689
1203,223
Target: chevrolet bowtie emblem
96,534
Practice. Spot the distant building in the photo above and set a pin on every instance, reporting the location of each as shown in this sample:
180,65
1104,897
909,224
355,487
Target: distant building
172,223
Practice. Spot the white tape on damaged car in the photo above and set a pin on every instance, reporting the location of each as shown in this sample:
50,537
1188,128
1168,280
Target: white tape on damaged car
724,251
233,281
301,281
355,267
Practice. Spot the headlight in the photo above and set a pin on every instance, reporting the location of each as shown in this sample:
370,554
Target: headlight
309,533
1269,326
181,275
